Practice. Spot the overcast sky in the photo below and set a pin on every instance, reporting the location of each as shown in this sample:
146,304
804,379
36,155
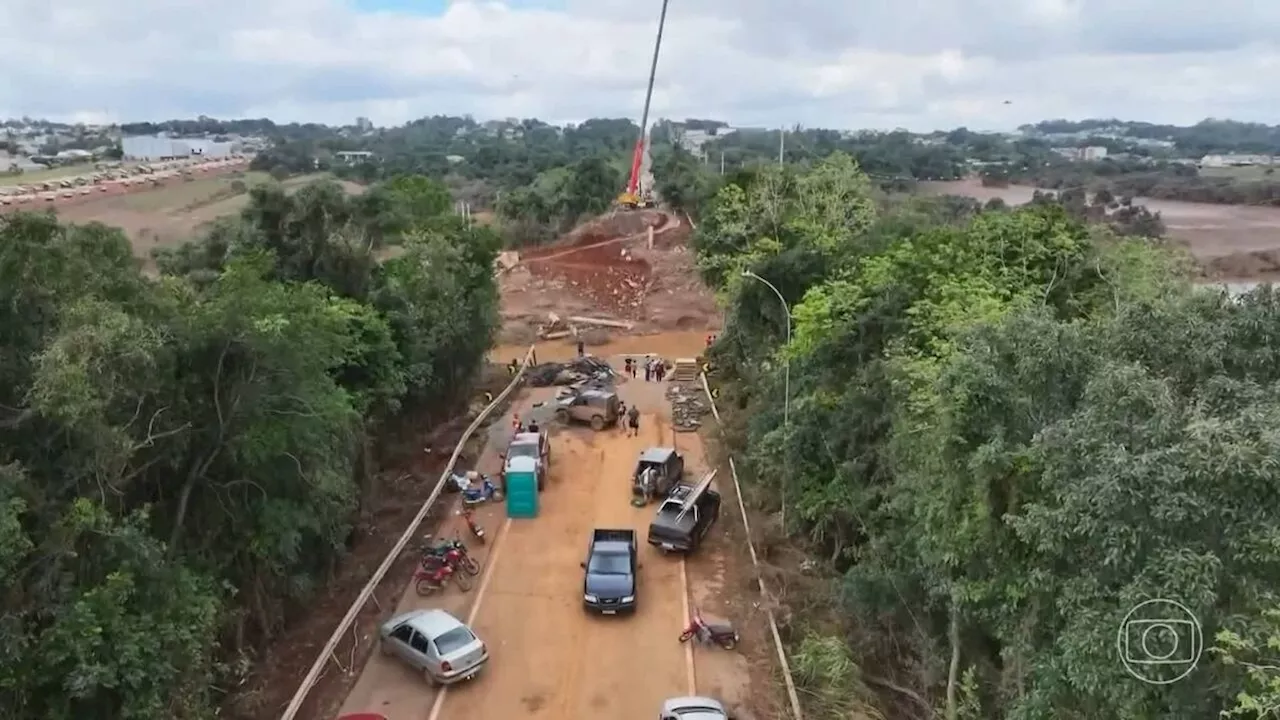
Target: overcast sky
820,63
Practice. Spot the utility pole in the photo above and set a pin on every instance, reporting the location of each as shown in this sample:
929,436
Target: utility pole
782,145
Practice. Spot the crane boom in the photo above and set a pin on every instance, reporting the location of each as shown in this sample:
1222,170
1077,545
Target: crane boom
632,194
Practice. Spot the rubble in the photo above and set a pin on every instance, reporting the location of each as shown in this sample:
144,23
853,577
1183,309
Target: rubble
578,370
687,406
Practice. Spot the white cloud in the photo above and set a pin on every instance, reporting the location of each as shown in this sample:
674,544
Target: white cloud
873,63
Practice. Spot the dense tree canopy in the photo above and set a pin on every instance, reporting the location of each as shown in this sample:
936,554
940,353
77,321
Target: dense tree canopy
182,458
1006,430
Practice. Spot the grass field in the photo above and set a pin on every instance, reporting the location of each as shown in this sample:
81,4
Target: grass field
1244,174
174,213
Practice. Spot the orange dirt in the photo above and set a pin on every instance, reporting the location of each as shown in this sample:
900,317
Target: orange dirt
549,659
604,269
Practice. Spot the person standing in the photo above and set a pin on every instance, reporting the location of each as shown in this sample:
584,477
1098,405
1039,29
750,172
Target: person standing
626,366
633,421
582,348
634,363
648,369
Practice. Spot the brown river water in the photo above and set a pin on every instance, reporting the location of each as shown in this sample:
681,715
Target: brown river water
1209,230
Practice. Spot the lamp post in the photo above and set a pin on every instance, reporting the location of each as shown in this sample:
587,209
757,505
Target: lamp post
786,393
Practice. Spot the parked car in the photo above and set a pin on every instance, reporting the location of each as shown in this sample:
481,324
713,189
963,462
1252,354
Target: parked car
693,708
595,406
683,519
531,445
609,584
656,471
435,643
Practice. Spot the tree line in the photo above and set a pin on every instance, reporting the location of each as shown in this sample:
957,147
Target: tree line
1006,430
182,458
1206,137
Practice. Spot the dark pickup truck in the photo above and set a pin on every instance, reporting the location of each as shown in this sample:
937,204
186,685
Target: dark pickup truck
609,586
684,518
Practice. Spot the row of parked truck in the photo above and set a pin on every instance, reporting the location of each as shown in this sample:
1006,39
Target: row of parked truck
107,176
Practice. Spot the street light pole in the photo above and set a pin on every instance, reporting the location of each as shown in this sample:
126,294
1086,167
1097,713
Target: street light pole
786,393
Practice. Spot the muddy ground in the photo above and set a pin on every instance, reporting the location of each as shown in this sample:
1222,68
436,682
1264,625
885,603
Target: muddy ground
604,269
1231,242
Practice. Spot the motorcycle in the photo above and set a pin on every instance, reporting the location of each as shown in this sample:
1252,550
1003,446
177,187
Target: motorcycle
485,492
720,632
452,553
427,581
469,516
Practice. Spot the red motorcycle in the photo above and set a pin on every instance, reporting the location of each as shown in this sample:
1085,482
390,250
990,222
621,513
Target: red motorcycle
427,581
452,553
469,516
719,632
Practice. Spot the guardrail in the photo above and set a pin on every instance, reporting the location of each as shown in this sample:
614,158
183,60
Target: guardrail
313,676
792,695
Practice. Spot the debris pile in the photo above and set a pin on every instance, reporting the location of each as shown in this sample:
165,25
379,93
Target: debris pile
687,406
578,370
556,327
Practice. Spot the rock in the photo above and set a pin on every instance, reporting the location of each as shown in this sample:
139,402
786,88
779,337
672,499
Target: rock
687,407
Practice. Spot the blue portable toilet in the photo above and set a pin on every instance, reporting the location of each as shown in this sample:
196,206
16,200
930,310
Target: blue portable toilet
522,487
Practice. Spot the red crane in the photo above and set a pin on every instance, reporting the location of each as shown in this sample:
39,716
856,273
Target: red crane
635,196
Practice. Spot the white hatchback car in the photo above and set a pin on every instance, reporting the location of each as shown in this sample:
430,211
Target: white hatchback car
693,708
435,643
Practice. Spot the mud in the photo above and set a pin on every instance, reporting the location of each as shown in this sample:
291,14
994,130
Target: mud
1208,230
606,269
550,659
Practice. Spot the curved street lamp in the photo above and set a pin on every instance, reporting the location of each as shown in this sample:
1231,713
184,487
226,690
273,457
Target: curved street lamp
786,392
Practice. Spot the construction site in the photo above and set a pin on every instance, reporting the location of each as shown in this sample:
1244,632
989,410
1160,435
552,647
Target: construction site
618,292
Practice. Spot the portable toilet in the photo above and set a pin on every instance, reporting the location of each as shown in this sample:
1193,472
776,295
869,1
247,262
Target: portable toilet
522,487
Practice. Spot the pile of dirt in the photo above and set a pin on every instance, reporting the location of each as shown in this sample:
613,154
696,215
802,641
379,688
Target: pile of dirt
608,274
622,224
1254,265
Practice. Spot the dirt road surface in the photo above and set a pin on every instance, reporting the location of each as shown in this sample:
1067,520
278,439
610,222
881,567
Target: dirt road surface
549,658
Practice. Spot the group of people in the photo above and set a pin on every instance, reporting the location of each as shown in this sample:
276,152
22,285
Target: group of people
654,368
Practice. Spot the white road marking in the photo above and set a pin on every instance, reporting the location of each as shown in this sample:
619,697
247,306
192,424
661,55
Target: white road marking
490,564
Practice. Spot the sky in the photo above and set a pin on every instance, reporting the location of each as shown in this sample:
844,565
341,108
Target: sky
757,63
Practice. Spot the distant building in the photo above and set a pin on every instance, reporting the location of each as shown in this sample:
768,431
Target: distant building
1222,161
364,124
151,148
354,157
1093,152
73,156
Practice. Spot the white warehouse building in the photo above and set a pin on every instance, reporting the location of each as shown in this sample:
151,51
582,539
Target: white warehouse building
150,148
